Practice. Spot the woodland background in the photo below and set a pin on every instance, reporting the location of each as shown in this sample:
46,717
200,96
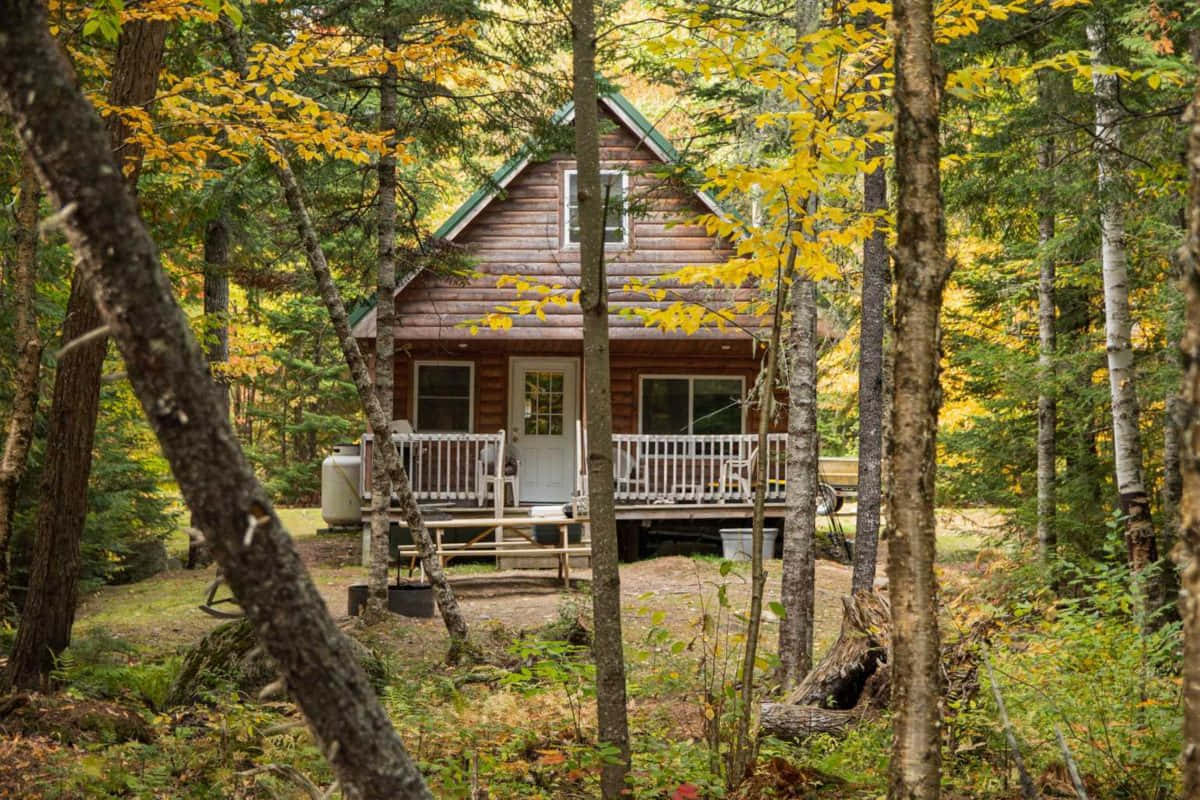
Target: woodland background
478,81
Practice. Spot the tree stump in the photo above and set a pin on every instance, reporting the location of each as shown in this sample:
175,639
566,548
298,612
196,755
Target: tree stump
850,682
837,680
227,654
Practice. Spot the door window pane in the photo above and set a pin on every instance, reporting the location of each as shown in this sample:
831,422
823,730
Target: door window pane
544,403
443,397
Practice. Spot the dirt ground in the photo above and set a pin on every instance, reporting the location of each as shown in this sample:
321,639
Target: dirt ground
681,587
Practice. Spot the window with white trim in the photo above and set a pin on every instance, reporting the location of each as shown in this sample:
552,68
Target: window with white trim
444,393
615,189
691,405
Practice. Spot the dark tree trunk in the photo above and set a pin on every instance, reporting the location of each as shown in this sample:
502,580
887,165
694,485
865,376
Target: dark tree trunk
216,334
170,378
216,300
385,321
29,361
870,383
607,647
1187,553
54,574
921,269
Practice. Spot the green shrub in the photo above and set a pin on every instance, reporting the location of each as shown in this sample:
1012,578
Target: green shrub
104,667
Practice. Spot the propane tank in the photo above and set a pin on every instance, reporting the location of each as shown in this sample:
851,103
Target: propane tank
340,502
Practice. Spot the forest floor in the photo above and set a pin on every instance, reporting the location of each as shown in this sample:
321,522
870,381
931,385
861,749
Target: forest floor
164,609
520,720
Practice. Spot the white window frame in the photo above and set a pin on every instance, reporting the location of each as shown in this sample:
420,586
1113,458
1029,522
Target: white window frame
416,390
691,379
626,224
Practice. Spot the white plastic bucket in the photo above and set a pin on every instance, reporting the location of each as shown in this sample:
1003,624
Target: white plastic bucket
738,543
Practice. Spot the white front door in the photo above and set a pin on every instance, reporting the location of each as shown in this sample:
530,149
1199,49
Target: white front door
543,408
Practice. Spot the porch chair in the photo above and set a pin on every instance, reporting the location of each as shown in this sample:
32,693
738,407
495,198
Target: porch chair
625,477
739,471
486,478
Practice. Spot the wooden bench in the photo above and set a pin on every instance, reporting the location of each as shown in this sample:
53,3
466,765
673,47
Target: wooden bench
481,545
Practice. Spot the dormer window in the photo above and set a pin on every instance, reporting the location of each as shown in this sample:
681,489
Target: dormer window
615,187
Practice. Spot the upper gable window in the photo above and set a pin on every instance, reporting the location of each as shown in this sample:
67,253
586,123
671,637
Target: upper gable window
615,186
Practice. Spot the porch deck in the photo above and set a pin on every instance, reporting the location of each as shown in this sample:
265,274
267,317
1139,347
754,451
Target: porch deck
655,476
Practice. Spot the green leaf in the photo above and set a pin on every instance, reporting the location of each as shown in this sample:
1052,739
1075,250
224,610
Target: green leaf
777,609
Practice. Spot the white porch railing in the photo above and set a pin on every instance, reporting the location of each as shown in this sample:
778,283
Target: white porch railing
653,468
453,467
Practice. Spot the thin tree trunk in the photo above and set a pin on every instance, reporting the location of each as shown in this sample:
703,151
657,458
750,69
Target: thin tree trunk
741,752
410,512
216,333
385,449
1047,403
800,523
1122,377
870,382
803,445
169,376
216,300
607,647
921,271
49,612
1187,552
385,320
29,361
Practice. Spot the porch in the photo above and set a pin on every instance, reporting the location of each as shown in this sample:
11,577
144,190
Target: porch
655,475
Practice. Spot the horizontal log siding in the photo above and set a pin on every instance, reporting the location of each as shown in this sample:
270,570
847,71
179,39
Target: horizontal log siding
630,361
520,234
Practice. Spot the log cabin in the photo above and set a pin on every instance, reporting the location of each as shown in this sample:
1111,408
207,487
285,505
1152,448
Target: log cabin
492,416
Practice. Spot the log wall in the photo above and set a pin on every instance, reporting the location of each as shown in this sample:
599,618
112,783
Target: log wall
630,361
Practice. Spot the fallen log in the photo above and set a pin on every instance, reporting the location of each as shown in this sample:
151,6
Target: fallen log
785,721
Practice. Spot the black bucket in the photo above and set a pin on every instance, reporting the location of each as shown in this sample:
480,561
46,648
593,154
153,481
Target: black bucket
411,599
406,599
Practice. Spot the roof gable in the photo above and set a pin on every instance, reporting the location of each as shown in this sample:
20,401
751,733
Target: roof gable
621,109
514,233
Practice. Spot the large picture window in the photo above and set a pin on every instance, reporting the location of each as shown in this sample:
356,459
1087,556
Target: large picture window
444,392
691,405
616,221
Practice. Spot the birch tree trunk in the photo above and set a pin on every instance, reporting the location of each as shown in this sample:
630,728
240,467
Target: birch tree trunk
607,648
1187,552
1047,403
49,612
800,522
385,321
29,361
1122,377
921,270
870,383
